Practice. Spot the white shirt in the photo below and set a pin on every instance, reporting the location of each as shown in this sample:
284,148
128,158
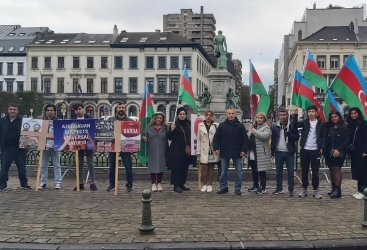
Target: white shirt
282,145
311,142
80,118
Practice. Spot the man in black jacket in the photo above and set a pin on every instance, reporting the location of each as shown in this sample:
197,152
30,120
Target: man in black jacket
10,127
311,150
230,142
283,146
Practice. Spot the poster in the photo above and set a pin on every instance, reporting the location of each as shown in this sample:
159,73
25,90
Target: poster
105,136
195,121
74,134
130,136
32,134
50,138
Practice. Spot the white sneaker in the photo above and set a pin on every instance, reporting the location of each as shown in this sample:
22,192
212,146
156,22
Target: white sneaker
154,187
58,185
354,195
316,194
359,196
209,189
160,188
204,188
42,186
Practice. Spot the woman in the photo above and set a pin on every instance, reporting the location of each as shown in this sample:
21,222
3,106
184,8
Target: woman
334,146
259,153
179,156
204,150
157,142
357,149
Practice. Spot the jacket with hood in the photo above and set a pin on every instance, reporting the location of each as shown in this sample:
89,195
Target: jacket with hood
306,126
4,122
291,136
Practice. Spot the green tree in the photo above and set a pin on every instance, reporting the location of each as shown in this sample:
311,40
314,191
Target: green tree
245,99
5,99
31,100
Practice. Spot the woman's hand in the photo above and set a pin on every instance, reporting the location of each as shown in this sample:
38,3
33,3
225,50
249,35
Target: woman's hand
173,126
336,153
144,138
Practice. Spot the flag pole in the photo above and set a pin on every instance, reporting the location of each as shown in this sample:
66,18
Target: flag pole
250,90
146,118
178,97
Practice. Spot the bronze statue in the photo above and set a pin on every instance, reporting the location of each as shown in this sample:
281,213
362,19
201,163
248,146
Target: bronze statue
231,99
220,50
205,99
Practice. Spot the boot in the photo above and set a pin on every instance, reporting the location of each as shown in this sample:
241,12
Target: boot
332,189
337,193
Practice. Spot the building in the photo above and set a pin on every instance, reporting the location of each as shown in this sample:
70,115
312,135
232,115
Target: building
197,27
275,86
102,70
238,73
13,63
312,21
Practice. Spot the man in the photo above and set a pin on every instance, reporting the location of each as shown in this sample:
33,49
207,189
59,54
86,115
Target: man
230,142
125,156
50,111
80,114
310,149
283,146
10,127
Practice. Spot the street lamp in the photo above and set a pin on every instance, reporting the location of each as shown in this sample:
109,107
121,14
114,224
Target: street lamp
63,110
31,110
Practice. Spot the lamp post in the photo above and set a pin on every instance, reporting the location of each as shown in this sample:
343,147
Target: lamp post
31,110
63,110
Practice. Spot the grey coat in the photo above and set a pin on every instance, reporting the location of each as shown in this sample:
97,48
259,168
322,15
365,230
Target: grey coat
262,154
157,149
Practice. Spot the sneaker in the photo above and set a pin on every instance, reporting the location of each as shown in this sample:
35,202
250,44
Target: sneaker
278,191
129,189
93,187
303,194
159,187
204,188
81,187
57,185
209,189
41,186
3,187
154,187
354,195
25,186
359,196
253,189
261,191
316,194
110,188
290,192
238,192
223,191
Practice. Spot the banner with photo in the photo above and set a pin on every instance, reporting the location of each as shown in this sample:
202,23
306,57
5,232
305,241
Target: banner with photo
74,134
33,134
106,132
130,136
196,119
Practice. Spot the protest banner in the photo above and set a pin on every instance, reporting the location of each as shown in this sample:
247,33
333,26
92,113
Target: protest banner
130,136
196,119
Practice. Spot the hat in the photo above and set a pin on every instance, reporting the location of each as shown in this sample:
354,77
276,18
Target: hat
159,113
181,109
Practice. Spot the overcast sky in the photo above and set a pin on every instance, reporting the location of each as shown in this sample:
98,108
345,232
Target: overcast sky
254,29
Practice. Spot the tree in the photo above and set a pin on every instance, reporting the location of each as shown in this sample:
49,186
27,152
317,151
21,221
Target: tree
30,100
5,99
245,100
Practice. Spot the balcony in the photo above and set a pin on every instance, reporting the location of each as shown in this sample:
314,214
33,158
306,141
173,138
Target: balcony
320,97
164,97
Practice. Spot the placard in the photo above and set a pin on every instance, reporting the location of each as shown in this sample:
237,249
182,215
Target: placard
33,133
195,121
130,136
106,132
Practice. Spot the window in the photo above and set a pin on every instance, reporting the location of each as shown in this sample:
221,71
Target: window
60,85
187,62
161,108
20,69
104,62
174,62
47,62
20,86
133,85
10,69
76,63
9,87
162,40
89,85
172,112
149,62
1,69
21,49
133,62
75,85
133,111
60,63
161,62
364,62
118,62
1,86
334,62
331,79
345,58
150,83
34,63
118,85
90,63
143,40
174,85
162,85
11,49
288,101
1,49
104,85
124,40
321,62
47,83
34,84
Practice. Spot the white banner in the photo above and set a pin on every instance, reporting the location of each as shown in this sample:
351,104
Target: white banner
195,121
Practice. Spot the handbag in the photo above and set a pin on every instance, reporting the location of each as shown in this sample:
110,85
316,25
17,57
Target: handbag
352,146
187,148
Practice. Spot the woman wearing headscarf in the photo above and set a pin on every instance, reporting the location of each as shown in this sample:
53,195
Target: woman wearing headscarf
357,149
179,152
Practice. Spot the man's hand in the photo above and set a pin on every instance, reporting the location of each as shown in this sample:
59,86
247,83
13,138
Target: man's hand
242,154
253,129
321,151
295,110
217,152
363,155
173,126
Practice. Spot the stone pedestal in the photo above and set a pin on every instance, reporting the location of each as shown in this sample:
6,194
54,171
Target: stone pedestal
220,80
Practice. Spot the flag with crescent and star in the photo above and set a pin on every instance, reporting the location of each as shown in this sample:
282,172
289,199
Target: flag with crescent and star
259,98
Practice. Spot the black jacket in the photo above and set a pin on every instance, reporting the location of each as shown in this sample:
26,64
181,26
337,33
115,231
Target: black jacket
4,128
305,125
231,139
335,139
292,135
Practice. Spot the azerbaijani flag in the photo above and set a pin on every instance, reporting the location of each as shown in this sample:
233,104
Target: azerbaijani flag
145,115
259,98
185,93
351,86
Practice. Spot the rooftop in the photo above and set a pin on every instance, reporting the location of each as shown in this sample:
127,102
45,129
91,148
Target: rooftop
74,39
151,38
337,33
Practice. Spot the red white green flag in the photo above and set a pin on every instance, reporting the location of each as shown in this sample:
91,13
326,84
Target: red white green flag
259,97
185,93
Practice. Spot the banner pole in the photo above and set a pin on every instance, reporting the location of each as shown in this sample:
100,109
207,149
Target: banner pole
77,169
39,170
116,172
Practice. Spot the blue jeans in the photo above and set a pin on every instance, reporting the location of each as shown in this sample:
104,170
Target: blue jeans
288,159
126,160
237,162
55,158
8,155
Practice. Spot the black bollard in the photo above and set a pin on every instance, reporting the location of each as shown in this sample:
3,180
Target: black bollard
146,220
364,222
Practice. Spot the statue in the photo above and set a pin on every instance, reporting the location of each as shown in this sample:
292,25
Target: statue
220,50
231,99
205,99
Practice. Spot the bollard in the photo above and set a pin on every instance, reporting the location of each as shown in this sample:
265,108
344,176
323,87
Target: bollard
364,222
146,220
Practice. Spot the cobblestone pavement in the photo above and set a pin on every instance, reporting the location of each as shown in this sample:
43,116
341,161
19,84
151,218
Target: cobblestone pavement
63,216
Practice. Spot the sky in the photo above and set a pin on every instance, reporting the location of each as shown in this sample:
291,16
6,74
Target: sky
254,29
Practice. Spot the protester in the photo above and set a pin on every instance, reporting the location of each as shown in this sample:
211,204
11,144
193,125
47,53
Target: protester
230,142
335,143
311,151
10,127
205,152
259,153
284,137
156,137
50,111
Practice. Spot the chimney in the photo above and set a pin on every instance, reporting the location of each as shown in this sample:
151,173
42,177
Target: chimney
115,31
157,30
356,27
314,6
